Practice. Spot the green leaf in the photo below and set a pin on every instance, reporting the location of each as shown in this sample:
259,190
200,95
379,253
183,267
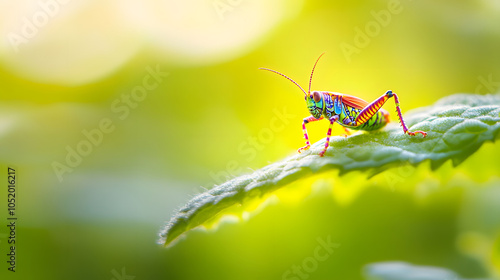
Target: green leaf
456,125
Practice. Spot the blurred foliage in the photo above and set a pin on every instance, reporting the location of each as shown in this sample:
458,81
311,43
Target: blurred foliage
204,124
404,271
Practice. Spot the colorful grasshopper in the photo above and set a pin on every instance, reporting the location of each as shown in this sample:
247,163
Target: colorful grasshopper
349,111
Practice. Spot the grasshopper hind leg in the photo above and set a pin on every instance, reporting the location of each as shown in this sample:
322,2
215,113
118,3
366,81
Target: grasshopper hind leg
400,116
375,106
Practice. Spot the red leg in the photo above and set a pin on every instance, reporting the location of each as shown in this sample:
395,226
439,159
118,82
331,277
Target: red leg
372,109
307,120
328,134
347,132
405,129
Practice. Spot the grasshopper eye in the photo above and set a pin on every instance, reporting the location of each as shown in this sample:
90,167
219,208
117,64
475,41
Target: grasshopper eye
316,96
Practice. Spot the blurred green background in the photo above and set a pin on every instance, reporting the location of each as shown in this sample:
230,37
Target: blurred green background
205,116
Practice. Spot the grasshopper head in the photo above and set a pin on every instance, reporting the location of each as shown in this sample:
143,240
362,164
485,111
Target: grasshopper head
315,103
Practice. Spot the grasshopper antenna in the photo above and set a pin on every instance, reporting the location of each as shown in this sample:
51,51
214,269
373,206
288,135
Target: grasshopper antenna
312,72
283,75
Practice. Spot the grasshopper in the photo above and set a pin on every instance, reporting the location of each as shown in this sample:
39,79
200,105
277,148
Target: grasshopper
349,111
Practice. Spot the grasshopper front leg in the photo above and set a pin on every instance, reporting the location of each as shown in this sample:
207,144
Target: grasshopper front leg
328,134
307,120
